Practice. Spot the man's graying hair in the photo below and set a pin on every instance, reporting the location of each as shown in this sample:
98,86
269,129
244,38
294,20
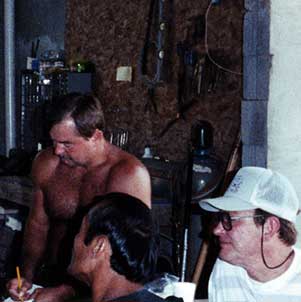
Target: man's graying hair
85,110
287,232
127,223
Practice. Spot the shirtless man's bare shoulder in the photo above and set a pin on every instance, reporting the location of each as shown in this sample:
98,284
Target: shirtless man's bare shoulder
121,172
65,187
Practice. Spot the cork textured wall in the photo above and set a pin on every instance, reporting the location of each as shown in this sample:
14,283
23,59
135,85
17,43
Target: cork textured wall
112,34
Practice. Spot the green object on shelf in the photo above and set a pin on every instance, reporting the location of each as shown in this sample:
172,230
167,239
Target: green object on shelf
84,66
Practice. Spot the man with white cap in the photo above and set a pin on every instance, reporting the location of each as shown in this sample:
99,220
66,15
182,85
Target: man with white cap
255,225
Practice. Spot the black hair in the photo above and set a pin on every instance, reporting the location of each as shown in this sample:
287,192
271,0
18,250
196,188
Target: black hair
85,110
127,222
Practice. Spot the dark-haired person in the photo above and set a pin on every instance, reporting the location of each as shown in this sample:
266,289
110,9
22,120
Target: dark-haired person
116,250
255,226
80,165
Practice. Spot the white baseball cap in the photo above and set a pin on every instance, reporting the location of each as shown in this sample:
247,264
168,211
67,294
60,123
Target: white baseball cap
257,188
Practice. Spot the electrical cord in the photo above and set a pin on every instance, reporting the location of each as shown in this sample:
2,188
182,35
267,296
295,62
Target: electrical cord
207,47
263,258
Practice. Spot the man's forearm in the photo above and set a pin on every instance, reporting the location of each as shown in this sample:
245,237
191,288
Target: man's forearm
33,251
66,291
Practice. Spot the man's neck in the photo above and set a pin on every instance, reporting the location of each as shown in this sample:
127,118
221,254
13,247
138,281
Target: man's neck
112,286
100,155
273,257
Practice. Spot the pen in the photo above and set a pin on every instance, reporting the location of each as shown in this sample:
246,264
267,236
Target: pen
19,280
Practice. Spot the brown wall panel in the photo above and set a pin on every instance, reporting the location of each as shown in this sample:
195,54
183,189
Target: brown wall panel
111,34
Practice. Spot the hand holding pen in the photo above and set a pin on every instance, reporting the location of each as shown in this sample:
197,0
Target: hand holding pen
18,288
19,283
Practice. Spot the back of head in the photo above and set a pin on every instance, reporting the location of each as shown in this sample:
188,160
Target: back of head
85,110
128,224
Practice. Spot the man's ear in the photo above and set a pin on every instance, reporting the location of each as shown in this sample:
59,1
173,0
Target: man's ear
97,135
271,227
98,245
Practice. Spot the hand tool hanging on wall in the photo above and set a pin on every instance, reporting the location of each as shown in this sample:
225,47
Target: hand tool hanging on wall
153,75
187,62
190,73
187,58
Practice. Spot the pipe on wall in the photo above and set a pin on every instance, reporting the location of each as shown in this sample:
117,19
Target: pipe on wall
9,71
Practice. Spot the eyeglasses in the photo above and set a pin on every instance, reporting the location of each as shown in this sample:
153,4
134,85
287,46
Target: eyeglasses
226,219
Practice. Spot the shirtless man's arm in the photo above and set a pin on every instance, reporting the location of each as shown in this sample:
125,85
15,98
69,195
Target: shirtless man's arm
131,178
35,235
35,238
37,224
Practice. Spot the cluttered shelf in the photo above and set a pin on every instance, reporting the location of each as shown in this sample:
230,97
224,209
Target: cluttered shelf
16,190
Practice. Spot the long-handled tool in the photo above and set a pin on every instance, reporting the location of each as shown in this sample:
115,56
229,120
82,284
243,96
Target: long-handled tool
187,214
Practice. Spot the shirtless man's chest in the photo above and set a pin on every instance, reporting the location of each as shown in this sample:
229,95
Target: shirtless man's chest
70,188
65,192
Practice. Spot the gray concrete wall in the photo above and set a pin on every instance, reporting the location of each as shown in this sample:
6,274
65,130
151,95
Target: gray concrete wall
271,107
256,56
2,108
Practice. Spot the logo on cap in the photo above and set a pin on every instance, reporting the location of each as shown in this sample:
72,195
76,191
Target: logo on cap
236,184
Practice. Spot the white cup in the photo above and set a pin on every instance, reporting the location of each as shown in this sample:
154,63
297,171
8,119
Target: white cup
185,290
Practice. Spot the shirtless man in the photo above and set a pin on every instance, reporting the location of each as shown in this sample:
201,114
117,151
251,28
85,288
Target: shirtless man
80,165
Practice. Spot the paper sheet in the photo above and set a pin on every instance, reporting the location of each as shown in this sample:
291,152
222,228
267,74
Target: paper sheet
124,73
34,286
